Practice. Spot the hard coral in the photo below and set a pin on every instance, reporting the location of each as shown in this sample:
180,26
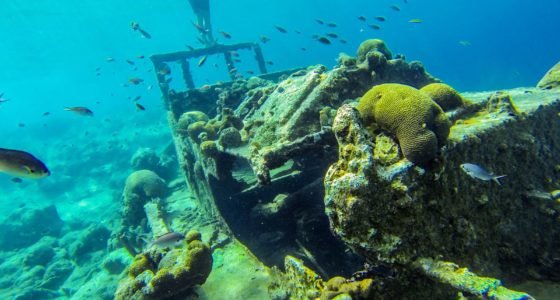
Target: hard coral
209,149
189,118
373,45
413,117
230,138
444,95
140,187
176,273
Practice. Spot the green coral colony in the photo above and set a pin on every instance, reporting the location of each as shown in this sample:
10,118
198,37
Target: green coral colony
382,141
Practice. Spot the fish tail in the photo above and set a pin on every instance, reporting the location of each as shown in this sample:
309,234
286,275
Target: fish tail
496,179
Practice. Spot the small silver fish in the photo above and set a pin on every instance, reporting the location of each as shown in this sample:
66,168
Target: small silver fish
476,171
168,240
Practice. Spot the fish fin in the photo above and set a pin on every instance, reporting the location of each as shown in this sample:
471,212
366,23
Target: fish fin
495,178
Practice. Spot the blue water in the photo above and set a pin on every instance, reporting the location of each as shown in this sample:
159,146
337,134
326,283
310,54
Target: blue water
54,54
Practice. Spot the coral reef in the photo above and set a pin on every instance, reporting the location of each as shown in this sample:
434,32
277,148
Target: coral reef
395,213
155,275
300,282
414,118
25,226
92,239
230,138
141,186
466,281
371,45
337,287
551,79
444,95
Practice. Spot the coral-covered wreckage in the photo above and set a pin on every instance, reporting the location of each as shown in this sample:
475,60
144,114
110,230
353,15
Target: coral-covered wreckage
361,164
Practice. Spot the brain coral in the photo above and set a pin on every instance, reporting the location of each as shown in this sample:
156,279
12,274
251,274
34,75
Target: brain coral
413,117
189,118
444,95
140,187
372,45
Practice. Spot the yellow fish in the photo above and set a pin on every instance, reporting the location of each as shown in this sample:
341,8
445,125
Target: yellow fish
416,21
22,164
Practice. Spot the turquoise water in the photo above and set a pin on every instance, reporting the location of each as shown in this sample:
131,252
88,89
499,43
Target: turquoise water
53,54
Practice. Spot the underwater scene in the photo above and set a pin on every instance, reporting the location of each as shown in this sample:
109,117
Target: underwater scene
205,149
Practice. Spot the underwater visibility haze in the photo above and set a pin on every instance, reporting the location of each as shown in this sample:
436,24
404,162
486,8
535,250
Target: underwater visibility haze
200,149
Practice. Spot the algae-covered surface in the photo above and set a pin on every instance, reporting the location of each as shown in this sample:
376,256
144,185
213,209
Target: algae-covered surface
279,150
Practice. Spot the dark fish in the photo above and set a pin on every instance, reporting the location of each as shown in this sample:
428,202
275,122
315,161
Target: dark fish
225,34
343,41
189,47
374,26
264,39
137,98
281,29
130,62
80,110
202,60
297,31
268,62
135,80
136,27
303,49
22,164
17,180
320,21
362,18
21,125
139,106
332,35
395,7
167,240
380,18
2,99
46,113
331,25
140,56
324,40
199,28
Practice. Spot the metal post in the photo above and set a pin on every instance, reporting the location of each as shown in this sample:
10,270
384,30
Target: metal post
187,76
230,65
260,58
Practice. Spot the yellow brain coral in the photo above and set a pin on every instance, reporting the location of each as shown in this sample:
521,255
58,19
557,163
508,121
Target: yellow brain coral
444,95
413,117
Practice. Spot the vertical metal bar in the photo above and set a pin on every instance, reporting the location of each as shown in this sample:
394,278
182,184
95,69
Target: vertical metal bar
260,58
230,65
163,86
187,76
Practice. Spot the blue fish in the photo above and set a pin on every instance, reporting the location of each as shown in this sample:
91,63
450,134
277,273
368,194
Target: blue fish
476,171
